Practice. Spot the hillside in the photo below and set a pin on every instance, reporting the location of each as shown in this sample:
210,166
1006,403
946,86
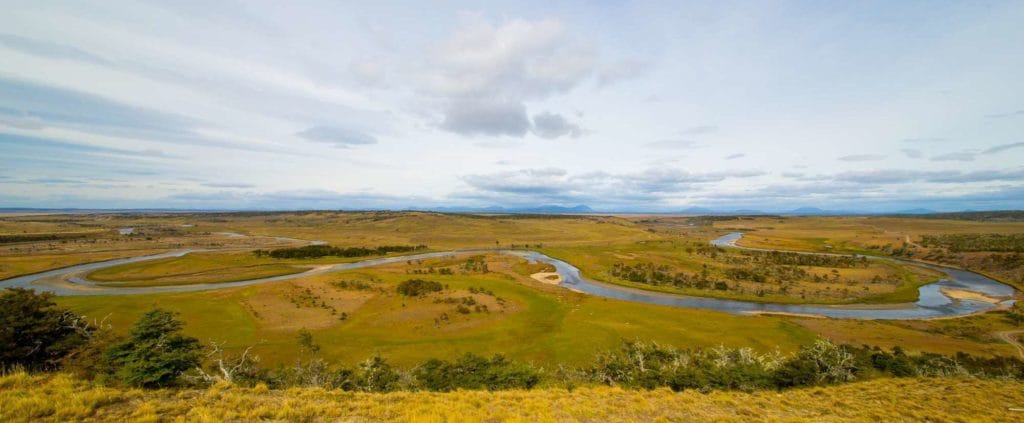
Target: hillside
30,398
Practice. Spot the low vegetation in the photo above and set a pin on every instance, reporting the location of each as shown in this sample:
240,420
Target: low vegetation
318,251
418,287
957,243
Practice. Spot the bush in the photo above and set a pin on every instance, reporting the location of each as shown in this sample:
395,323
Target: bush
1016,313
831,363
418,287
155,353
475,372
378,375
34,332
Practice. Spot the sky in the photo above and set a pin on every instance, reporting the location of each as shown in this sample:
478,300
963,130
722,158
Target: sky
621,106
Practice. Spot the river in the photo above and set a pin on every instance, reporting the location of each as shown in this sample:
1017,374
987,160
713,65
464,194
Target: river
931,303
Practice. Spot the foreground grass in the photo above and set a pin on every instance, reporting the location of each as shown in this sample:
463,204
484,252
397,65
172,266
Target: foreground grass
26,397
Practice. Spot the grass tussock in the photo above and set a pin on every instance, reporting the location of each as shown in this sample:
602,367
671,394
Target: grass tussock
25,397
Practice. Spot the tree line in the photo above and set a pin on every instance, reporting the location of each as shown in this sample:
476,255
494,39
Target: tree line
37,335
318,251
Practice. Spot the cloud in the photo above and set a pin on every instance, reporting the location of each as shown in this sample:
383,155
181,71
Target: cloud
536,186
672,144
881,176
49,49
227,185
339,137
620,71
294,200
493,118
913,153
862,158
368,73
1016,113
56,181
903,176
977,176
1002,147
961,156
484,74
735,156
699,130
551,125
923,140
51,106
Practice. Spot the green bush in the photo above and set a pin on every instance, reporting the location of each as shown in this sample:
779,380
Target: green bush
418,287
471,371
155,353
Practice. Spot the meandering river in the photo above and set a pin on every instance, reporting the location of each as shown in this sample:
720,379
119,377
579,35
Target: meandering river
931,303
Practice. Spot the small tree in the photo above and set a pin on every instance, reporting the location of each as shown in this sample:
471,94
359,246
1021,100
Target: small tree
155,353
34,332
1016,313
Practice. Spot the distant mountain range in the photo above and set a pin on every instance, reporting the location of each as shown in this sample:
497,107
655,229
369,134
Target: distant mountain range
552,209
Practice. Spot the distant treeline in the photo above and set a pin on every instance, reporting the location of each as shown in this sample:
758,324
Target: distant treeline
957,243
12,238
317,251
37,335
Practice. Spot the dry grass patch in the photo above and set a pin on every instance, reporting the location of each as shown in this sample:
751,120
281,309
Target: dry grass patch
30,398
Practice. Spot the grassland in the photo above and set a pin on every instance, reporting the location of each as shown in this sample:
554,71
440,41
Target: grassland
31,398
894,284
194,268
539,322
889,236
561,326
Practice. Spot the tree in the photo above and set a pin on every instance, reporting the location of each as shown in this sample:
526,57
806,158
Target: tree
155,353
34,332
1016,313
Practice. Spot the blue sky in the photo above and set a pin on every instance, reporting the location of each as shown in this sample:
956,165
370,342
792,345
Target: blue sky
623,106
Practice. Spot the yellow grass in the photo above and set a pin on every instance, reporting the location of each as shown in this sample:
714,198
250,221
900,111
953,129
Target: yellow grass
34,398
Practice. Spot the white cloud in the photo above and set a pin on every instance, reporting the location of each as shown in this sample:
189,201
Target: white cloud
484,74
551,125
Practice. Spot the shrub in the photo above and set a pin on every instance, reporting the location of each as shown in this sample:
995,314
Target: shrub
155,353
471,371
418,287
1016,313
831,363
378,375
